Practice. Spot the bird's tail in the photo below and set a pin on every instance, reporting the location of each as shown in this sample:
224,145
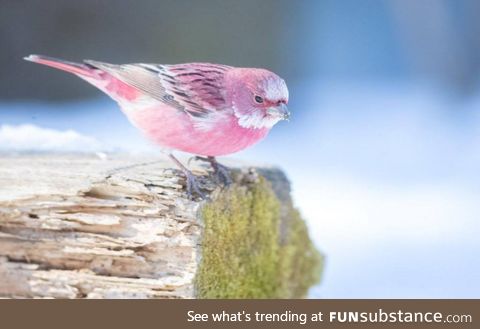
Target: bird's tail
84,70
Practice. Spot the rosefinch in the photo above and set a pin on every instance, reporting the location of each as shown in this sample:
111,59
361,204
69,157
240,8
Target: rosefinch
205,109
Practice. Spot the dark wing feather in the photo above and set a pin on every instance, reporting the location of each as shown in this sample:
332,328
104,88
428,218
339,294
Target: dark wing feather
196,88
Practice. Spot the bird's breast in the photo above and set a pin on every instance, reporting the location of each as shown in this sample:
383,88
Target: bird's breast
168,127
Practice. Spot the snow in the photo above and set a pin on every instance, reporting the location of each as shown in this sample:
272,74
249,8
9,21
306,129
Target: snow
32,138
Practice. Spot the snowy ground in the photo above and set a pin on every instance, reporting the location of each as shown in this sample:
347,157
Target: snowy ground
386,175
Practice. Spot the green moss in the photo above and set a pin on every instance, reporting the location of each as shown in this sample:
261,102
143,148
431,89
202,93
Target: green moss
253,248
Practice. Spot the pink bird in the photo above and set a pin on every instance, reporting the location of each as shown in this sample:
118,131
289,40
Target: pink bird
201,108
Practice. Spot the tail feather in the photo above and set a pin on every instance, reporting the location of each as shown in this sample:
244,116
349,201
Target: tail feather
113,87
75,68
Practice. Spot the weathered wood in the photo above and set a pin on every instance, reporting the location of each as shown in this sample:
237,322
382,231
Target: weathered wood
76,226
85,226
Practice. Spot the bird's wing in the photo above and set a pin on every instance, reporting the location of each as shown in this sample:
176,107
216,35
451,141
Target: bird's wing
195,88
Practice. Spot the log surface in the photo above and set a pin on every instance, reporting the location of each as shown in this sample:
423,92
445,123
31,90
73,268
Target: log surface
83,226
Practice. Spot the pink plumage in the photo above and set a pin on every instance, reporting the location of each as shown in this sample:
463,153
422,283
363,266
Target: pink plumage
200,108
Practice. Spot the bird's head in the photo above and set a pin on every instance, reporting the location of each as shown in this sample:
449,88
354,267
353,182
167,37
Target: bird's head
258,97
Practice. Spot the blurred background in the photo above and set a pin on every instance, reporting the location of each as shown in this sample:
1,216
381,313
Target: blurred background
383,146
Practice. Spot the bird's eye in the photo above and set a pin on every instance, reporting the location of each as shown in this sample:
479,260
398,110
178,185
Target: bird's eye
258,99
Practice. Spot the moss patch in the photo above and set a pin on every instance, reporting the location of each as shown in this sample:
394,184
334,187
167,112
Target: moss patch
254,247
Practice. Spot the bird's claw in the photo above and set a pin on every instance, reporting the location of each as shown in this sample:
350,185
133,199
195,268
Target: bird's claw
220,172
193,187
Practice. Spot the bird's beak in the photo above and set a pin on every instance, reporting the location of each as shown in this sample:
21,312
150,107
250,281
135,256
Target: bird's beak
280,111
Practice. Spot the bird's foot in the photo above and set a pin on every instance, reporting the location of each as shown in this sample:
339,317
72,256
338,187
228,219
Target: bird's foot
220,172
193,186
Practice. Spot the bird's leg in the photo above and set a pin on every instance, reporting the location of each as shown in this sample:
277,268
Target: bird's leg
220,171
192,183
